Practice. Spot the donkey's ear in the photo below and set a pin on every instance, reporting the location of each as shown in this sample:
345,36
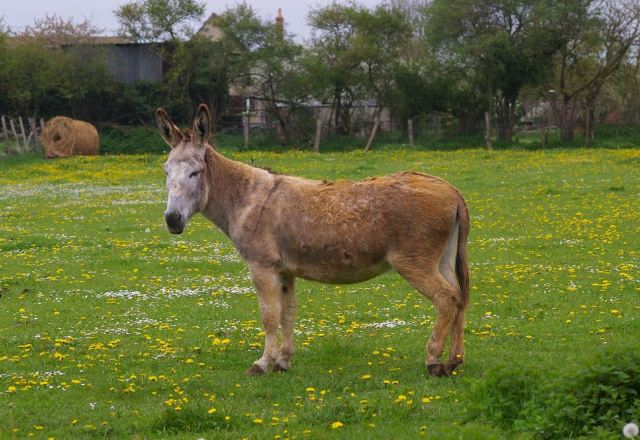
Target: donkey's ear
169,132
202,126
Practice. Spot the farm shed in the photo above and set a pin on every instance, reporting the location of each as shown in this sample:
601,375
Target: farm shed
127,61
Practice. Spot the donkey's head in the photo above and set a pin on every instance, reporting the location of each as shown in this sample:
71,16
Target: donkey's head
185,168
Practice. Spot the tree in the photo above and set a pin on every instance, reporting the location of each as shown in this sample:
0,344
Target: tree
380,39
413,12
280,82
200,72
244,36
597,37
52,71
253,58
333,63
353,54
620,97
505,43
57,32
76,72
159,20
264,63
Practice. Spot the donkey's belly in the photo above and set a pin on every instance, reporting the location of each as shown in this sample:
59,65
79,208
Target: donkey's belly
340,274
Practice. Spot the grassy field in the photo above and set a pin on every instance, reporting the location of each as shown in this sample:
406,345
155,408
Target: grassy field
112,327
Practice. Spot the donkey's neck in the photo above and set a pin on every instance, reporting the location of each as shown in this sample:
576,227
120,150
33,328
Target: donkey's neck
230,187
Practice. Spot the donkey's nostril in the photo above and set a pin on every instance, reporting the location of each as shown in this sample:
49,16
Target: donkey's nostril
173,219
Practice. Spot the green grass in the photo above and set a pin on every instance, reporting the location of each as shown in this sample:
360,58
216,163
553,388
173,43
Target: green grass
112,327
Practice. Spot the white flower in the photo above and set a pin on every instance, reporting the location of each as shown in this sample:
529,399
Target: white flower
630,430
147,230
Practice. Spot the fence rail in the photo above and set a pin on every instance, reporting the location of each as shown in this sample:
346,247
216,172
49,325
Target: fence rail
19,138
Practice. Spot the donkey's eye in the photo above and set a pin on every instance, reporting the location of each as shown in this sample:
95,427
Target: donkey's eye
195,173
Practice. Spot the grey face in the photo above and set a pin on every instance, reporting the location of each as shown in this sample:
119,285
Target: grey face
186,194
185,168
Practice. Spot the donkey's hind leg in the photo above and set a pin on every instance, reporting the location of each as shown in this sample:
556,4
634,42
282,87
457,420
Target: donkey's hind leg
447,268
456,353
427,279
287,317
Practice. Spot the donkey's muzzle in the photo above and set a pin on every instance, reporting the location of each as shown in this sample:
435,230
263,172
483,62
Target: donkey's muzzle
174,221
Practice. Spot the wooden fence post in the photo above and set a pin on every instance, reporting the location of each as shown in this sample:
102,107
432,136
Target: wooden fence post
410,130
487,128
24,135
5,132
316,139
34,130
15,136
376,124
245,130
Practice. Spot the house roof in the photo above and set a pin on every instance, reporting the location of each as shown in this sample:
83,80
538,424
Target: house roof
99,40
63,40
209,29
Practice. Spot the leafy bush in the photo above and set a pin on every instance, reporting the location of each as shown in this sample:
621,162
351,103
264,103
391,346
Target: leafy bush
595,400
605,394
503,395
617,136
131,140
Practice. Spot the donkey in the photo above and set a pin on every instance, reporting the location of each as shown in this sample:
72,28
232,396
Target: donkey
341,232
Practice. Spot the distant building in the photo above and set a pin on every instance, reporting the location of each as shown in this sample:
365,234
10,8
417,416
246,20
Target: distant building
127,61
210,30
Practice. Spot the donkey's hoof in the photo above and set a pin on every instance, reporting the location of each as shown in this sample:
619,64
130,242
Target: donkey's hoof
436,370
450,366
255,370
279,368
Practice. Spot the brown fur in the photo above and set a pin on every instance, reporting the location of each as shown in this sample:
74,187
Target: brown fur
340,232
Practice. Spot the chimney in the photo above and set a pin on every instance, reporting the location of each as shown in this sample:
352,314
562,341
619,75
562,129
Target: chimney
280,24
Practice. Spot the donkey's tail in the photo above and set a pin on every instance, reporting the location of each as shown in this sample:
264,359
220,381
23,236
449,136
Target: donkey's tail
462,262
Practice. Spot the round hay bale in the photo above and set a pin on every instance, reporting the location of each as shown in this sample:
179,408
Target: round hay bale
63,137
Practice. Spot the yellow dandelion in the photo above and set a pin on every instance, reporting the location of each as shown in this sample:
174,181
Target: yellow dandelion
401,398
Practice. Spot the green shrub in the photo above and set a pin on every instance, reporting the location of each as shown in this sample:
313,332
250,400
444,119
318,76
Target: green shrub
617,136
595,400
503,395
605,394
131,140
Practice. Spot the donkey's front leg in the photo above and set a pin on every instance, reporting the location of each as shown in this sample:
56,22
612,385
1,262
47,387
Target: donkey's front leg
268,286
